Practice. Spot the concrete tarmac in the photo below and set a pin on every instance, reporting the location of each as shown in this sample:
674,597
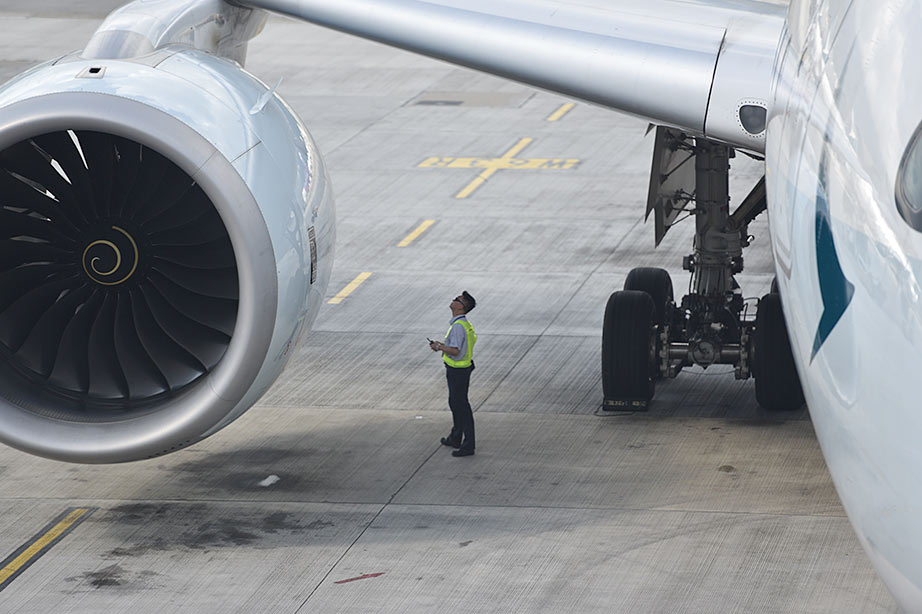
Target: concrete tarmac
333,494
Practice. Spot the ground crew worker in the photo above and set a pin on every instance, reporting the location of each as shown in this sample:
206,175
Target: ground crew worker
458,354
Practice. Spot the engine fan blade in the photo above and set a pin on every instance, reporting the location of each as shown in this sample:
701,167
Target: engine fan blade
16,282
40,349
14,253
99,153
16,194
28,161
71,371
217,314
153,172
128,155
206,344
169,193
62,148
177,365
190,210
206,229
20,318
216,283
107,381
144,378
218,254
14,224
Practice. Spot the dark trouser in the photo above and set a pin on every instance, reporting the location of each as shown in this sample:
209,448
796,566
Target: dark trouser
458,382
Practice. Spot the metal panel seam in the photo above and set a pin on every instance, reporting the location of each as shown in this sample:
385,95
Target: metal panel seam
707,106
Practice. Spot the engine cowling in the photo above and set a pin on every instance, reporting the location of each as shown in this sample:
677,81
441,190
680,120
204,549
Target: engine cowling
166,237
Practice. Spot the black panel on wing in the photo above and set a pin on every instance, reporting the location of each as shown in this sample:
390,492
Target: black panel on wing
118,281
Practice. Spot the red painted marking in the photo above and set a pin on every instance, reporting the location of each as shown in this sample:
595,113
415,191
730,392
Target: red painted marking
365,577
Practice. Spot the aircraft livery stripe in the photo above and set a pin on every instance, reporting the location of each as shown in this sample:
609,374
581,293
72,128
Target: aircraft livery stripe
42,542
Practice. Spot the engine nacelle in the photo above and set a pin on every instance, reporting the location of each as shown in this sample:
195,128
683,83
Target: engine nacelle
166,237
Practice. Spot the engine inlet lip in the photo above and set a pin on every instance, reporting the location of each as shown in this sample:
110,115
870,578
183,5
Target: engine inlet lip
191,414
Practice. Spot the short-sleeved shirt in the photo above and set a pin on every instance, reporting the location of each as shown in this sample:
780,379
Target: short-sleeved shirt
457,337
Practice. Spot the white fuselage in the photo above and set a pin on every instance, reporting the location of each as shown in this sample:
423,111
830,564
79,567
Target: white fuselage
845,107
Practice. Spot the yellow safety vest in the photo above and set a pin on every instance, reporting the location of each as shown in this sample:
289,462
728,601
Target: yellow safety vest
468,358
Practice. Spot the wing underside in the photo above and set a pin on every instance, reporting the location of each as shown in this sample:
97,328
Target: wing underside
691,64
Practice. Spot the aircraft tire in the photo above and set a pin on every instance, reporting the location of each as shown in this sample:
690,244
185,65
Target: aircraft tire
777,383
627,381
655,282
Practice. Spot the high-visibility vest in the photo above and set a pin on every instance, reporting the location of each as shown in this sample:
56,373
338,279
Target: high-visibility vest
468,358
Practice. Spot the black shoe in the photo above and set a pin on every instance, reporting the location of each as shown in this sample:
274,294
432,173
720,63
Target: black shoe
448,441
463,452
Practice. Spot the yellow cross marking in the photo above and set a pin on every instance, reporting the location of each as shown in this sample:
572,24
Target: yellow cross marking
415,234
507,161
349,289
559,113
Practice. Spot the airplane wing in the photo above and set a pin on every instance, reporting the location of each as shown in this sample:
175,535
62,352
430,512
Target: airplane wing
702,66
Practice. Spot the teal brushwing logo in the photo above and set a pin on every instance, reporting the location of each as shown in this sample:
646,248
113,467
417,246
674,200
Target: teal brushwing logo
835,290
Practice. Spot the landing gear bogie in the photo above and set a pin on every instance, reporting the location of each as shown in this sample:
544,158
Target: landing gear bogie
639,346
648,335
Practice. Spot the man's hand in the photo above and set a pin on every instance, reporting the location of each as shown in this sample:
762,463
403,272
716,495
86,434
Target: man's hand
435,346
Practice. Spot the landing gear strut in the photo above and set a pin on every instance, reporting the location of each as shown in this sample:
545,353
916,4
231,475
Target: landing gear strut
647,336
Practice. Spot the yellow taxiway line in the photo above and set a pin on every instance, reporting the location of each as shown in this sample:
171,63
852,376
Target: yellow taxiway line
29,552
559,113
349,289
415,234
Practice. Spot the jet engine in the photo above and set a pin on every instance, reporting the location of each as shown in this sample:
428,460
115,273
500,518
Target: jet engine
166,237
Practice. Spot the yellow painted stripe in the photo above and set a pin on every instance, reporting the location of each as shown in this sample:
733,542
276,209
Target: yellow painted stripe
415,234
497,164
355,283
476,183
52,534
563,110
517,148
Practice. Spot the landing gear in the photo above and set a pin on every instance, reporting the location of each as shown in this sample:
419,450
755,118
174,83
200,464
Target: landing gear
628,350
647,336
777,384
656,283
